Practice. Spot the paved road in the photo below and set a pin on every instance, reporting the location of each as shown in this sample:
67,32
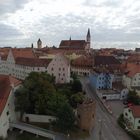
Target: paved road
103,121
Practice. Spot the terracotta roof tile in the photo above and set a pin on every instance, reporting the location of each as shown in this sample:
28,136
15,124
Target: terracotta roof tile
5,88
105,60
76,44
33,62
83,61
134,58
23,52
135,110
132,69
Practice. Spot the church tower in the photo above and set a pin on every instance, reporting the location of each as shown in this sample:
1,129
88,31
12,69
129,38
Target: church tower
39,43
88,38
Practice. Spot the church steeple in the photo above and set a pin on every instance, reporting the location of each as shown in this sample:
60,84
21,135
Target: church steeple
32,45
70,38
39,43
88,36
88,39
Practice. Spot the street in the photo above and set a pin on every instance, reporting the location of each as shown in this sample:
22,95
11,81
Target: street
106,127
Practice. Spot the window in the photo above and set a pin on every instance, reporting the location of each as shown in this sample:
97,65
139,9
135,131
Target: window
79,116
59,74
7,113
138,127
126,114
63,74
59,69
52,69
139,121
63,69
62,79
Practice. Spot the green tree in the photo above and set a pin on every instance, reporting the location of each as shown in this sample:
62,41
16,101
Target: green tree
76,86
22,102
55,102
76,99
65,117
133,97
39,87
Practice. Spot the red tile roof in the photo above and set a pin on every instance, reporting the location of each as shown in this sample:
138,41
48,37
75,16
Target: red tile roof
4,53
135,110
135,58
83,61
73,44
33,62
23,52
17,52
59,50
6,83
132,69
105,60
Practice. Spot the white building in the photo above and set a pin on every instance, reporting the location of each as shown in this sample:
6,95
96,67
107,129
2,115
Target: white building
131,79
132,117
8,85
60,68
20,62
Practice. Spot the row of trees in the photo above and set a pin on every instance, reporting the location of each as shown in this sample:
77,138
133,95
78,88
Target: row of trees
40,95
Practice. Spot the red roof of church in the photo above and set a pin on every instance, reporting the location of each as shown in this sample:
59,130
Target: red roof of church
76,44
5,89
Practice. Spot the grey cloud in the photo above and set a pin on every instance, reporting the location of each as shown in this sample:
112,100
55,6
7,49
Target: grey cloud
11,6
7,32
54,29
97,3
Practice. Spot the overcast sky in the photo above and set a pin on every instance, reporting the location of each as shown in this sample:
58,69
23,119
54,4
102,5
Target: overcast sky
24,21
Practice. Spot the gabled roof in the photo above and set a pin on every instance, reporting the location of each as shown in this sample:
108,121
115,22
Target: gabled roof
135,58
132,69
105,60
32,62
6,83
76,44
83,61
23,52
135,110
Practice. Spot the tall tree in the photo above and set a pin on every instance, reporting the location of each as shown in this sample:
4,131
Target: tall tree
76,86
22,102
65,117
